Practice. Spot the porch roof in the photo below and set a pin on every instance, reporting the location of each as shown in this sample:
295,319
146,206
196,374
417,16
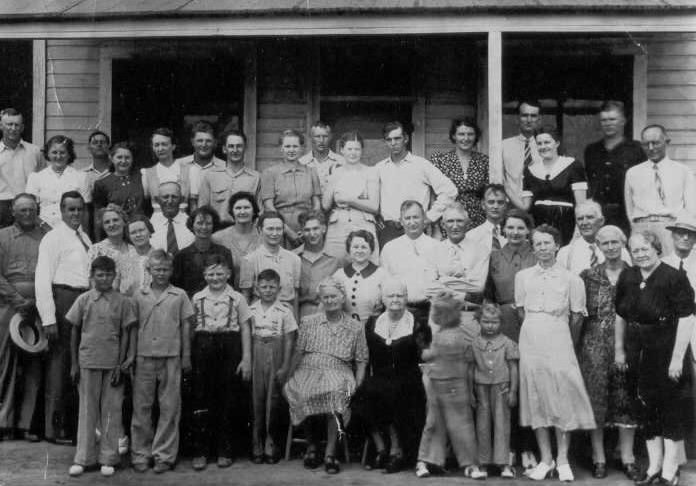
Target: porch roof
19,10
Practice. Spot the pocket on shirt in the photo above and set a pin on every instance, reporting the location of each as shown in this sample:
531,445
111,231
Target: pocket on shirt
220,196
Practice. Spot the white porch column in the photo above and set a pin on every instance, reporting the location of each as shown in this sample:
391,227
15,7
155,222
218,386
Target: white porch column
495,104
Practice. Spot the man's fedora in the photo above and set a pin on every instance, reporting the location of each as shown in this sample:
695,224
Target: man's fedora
684,223
27,335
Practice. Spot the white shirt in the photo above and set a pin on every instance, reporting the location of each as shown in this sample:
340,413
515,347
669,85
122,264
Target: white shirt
413,261
463,267
483,236
62,260
577,255
196,172
324,168
513,165
160,223
48,186
641,195
15,167
413,178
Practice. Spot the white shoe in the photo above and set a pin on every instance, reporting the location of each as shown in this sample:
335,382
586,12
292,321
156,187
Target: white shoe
474,472
107,470
123,445
76,470
422,470
565,473
541,471
507,472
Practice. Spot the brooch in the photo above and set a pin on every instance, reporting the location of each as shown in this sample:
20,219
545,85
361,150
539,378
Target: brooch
642,285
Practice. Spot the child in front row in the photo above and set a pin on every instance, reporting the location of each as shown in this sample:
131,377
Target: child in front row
221,355
163,352
100,350
495,379
448,387
274,330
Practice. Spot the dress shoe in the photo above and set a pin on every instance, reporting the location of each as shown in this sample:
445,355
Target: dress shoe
669,482
224,462
107,471
76,470
599,470
199,463
161,467
565,473
30,436
631,471
541,471
649,479
507,472
140,467
395,464
422,470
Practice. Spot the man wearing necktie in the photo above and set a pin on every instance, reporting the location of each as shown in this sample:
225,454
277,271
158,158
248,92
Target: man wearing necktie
582,252
62,274
658,190
489,234
171,233
684,259
520,150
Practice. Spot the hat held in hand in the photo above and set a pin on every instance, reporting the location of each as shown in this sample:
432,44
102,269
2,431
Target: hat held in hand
27,335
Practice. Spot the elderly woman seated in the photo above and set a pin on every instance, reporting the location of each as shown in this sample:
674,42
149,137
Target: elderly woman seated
330,346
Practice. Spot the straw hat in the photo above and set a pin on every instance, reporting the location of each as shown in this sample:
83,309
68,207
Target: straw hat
28,336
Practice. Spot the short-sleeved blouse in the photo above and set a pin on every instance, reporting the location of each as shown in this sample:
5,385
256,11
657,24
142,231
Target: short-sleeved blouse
290,185
502,268
554,291
125,191
344,340
48,186
566,176
665,297
363,290
470,185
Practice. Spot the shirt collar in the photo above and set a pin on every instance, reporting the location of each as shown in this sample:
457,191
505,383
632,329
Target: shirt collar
300,251
407,158
496,343
5,147
509,251
258,305
227,293
286,167
364,273
96,295
34,232
554,270
147,290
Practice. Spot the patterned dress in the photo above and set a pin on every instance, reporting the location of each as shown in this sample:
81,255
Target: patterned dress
612,393
470,185
127,279
324,381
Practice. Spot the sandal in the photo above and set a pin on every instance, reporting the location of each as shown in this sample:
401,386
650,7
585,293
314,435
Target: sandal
331,465
311,460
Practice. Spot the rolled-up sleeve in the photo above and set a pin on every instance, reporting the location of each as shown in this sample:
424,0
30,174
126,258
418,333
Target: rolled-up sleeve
444,189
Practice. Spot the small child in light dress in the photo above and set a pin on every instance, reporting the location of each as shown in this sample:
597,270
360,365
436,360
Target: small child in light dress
448,380
496,383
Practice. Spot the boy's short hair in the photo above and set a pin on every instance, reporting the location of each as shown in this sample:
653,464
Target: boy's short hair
157,256
311,215
270,275
214,261
488,309
103,263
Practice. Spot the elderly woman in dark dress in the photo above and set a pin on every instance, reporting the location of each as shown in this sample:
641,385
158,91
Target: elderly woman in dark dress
329,363
611,394
517,254
654,307
553,185
465,167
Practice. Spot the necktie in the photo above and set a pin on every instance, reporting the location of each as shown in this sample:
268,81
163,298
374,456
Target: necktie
658,184
172,245
594,259
527,153
496,241
415,248
79,237
681,265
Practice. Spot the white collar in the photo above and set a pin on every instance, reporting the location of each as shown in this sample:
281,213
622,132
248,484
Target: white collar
403,328
538,169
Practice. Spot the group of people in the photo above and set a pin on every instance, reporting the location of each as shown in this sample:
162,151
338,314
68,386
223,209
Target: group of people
413,302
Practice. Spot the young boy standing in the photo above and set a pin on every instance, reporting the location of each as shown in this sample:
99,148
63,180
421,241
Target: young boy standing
273,329
221,364
163,352
101,352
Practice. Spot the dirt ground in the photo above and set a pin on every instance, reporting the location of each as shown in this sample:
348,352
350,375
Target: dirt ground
42,464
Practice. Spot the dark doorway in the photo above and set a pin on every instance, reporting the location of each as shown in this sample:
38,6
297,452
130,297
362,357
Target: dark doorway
16,83
151,92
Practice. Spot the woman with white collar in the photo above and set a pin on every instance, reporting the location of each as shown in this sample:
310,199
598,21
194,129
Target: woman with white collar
552,186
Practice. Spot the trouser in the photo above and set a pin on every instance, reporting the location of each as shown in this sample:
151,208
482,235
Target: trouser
267,358
493,415
449,416
100,404
8,371
156,379
6,218
219,396
30,384
387,231
61,400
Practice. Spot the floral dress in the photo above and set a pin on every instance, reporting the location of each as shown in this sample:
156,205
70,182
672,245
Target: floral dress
127,279
612,393
470,185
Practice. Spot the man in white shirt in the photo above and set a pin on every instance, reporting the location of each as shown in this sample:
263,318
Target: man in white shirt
201,160
521,150
462,265
171,233
489,234
18,159
321,157
98,144
62,274
658,190
404,176
413,258
583,252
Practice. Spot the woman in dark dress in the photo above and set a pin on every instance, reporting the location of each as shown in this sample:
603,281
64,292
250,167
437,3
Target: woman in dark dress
515,255
552,186
465,167
392,399
612,392
654,307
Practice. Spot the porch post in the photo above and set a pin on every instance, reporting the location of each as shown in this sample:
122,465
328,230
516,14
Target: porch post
38,121
495,105
251,102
